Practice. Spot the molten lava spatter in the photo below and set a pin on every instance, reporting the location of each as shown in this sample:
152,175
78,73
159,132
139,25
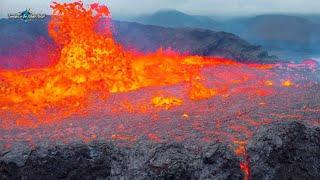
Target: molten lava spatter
91,63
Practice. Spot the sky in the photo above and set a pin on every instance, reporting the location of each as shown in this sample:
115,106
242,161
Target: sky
199,7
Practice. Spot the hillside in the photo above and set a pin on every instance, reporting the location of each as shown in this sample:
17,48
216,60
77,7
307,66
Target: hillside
277,31
195,41
288,34
17,40
174,18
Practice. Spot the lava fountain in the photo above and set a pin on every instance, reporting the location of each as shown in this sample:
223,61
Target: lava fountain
91,62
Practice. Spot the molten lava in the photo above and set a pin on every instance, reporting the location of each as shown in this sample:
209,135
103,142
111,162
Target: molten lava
167,102
91,63
91,73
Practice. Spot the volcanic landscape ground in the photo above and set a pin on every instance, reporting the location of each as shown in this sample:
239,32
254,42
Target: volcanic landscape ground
232,117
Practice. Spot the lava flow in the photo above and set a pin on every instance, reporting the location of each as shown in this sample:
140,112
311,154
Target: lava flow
94,88
91,63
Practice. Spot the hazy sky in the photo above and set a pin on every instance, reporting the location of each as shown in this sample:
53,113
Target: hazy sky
208,7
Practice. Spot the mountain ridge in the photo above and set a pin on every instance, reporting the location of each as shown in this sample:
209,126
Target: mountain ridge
175,18
274,32
18,40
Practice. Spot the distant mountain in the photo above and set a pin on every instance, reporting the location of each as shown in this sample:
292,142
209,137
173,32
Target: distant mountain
174,18
13,32
277,31
20,40
313,17
292,34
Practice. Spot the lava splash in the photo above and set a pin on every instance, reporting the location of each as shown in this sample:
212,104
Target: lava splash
91,64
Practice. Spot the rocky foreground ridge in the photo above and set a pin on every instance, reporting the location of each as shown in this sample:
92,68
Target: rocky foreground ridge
289,150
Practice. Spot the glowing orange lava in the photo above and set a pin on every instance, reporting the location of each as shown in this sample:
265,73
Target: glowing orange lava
92,64
287,83
166,102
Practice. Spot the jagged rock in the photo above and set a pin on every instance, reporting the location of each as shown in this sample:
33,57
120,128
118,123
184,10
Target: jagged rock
163,161
18,154
183,161
146,160
288,150
219,162
76,161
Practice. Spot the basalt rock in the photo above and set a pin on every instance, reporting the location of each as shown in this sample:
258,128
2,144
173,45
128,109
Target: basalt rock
74,161
288,150
99,160
219,162
180,161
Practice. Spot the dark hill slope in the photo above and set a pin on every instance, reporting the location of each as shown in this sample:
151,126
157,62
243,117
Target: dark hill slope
194,41
15,34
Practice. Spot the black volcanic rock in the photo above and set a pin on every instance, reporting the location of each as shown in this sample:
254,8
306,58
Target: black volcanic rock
163,161
180,161
219,162
288,150
77,161
98,160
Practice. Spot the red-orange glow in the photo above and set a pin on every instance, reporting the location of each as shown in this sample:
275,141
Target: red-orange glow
154,137
240,150
287,83
269,83
123,137
185,116
166,102
246,169
198,92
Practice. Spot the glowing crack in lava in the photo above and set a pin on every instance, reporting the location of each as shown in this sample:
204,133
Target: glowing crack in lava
97,89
